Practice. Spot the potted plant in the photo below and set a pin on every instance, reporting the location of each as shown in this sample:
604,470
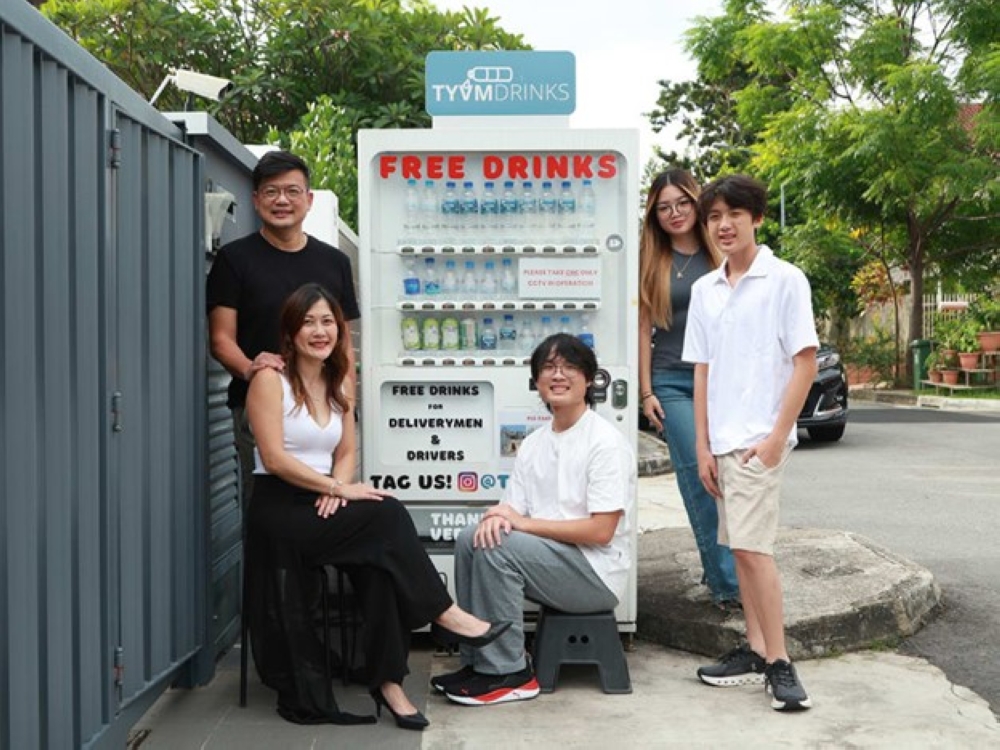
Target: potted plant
967,342
946,333
985,310
933,367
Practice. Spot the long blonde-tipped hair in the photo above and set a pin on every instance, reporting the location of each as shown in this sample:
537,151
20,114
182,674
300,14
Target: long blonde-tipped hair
655,258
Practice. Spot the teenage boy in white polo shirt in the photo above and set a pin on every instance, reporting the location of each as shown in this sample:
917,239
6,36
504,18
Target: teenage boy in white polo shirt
751,335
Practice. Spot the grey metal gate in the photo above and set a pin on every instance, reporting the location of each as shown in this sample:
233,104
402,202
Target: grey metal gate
103,541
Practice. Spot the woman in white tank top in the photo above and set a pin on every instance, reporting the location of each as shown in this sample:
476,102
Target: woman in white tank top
308,511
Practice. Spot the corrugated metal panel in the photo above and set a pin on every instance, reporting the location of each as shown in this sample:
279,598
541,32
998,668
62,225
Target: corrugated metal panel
102,532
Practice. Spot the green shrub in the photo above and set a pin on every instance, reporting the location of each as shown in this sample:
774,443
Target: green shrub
875,352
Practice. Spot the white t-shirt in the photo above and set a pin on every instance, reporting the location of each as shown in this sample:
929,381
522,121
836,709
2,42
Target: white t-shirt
589,468
748,335
303,438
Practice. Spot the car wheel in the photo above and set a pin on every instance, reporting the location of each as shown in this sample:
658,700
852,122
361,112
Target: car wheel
828,434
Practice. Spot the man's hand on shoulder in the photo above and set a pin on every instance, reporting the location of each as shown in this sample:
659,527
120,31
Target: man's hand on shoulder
264,361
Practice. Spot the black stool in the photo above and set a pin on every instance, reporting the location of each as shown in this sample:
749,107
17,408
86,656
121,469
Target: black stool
348,630
565,638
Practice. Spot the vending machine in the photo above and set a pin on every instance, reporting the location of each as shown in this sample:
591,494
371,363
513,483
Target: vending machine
476,244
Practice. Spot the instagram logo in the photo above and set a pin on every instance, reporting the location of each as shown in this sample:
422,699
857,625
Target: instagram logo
468,481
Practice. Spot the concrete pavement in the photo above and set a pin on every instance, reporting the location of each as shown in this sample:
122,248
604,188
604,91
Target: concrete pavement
872,699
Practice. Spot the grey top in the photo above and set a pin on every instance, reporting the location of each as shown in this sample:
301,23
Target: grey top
668,344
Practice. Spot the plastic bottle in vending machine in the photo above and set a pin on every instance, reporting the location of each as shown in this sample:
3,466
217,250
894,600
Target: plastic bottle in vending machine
432,285
411,217
567,211
468,334
508,334
508,212
409,330
449,335
468,208
429,212
508,279
411,280
527,210
564,325
469,284
547,329
526,338
588,210
449,282
488,336
449,216
431,335
586,335
548,212
489,212
488,283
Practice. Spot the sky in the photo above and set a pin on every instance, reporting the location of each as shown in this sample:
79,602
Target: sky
622,48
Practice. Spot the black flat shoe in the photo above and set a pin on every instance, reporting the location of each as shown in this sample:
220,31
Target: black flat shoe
416,721
449,638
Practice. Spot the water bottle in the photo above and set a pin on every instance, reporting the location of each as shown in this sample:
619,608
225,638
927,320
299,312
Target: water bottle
411,216
564,325
508,212
468,208
449,282
469,284
488,283
411,281
567,211
431,335
489,211
588,211
429,212
526,337
586,335
527,209
508,279
547,329
508,334
449,217
488,336
449,335
432,286
548,212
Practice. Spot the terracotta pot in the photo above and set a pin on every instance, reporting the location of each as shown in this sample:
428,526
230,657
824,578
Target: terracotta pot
989,341
950,377
935,376
948,356
968,360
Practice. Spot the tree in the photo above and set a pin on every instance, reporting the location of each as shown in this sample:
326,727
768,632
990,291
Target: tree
872,135
359,61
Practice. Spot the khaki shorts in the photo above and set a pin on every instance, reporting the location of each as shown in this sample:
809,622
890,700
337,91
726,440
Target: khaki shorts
748,511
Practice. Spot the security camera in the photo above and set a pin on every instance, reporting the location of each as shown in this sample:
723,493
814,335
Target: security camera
201,84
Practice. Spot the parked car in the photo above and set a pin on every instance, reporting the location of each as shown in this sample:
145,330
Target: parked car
824,415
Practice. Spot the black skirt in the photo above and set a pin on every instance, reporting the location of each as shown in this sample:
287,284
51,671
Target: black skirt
377,545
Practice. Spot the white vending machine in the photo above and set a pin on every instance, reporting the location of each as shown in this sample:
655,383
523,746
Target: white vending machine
476,244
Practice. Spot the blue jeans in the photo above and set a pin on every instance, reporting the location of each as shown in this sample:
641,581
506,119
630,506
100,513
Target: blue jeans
675,391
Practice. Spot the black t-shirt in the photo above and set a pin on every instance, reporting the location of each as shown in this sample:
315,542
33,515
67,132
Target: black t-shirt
255,278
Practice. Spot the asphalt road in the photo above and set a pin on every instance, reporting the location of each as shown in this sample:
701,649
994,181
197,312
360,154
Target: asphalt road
926,485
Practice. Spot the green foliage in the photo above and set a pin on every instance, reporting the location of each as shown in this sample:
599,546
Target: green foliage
957,331
875,353
985,310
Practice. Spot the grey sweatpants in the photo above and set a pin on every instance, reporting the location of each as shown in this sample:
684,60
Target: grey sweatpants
493,583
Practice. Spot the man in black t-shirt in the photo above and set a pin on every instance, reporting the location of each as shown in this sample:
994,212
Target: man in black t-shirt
251,278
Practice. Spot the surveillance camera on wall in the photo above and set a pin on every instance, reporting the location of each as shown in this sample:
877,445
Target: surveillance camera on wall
201,84
210,87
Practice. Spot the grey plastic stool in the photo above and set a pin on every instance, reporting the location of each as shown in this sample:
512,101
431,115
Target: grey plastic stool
565,638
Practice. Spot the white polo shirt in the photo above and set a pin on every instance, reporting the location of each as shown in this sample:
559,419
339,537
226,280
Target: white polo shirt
747,335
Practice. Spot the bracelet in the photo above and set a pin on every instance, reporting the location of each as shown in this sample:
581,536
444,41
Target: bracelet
645,396
333,487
